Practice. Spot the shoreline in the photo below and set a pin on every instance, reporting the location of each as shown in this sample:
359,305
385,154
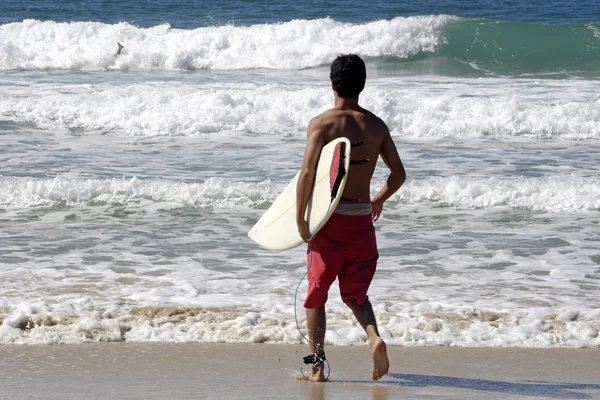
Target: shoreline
126,370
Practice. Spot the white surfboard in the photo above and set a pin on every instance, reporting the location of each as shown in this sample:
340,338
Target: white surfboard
277,229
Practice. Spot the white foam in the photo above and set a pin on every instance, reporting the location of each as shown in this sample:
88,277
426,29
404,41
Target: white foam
399,325
27,192
551,194
412,108
296,44
561,193
147,110
448,115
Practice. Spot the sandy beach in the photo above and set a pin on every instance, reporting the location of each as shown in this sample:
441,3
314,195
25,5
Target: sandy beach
270,371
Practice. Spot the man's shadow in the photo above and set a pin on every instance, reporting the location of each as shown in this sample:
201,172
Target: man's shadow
526,388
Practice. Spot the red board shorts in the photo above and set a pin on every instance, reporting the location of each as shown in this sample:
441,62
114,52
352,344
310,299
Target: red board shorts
345,248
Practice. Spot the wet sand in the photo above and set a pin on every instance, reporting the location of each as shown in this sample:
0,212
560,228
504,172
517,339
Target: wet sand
269,371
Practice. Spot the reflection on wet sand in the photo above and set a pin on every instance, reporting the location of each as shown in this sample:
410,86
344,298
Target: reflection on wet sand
318,391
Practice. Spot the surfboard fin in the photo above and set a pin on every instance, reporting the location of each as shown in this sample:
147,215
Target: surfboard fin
358,162
341,172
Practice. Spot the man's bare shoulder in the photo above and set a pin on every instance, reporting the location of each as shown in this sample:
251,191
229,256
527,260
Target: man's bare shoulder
334,114
323,120
336,120
327,116
375,120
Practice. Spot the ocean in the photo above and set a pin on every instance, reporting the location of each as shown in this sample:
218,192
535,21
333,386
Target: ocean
128,183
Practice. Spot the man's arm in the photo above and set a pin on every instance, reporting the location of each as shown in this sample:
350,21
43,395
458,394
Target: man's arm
314,145
397,177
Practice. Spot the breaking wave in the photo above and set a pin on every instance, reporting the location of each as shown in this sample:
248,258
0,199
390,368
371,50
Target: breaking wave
437,44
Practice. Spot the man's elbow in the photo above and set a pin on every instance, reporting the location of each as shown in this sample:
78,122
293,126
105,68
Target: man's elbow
399,176
403,177
306,175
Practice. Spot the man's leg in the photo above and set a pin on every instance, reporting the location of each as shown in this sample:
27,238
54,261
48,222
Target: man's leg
324,260
366,318
316,321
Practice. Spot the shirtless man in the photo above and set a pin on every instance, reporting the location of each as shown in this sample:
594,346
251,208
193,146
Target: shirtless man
345,248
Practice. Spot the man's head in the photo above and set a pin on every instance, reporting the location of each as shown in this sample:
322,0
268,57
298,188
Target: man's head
348,75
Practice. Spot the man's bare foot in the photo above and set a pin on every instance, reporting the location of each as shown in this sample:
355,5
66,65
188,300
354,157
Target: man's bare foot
381,364
318,373
121,47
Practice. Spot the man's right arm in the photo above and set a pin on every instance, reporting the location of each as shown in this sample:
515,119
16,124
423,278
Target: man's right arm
306,178
397,177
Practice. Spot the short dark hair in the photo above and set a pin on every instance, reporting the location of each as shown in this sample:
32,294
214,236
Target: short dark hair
348,75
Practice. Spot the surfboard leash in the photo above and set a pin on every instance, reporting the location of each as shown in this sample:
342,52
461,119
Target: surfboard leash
319,357
313,358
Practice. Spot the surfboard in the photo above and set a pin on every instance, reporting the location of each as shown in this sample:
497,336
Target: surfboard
277,230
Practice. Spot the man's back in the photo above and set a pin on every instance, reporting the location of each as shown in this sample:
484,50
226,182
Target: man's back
358,125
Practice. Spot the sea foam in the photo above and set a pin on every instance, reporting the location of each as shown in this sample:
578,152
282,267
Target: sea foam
32,44
433,110
563,193
399,325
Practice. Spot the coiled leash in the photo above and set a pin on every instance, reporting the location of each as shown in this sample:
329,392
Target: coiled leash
312,358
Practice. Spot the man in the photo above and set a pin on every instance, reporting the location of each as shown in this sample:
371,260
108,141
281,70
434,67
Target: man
345,248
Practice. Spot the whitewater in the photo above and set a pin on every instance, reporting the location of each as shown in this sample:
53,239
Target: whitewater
442,44
128,183
281,105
